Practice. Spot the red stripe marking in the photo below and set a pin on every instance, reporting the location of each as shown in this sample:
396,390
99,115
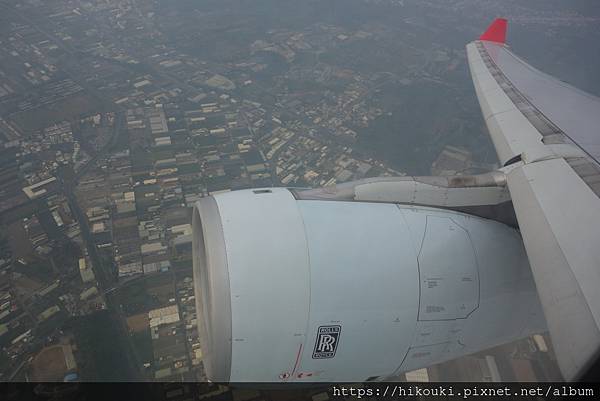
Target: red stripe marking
297,360
496,32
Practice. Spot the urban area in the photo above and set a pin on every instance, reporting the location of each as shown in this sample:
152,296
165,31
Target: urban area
117,115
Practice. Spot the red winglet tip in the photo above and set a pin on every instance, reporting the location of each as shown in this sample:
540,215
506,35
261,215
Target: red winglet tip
496,32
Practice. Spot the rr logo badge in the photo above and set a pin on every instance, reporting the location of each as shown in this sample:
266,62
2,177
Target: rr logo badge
326,343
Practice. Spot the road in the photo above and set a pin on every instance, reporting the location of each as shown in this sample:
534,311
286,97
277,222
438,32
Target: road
106,277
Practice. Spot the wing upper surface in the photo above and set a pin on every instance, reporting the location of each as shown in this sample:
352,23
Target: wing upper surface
574,112
548,133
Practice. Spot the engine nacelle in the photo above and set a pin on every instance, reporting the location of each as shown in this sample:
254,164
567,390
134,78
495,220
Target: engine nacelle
291,290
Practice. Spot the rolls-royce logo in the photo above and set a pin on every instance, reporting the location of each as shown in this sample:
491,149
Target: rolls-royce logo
326,343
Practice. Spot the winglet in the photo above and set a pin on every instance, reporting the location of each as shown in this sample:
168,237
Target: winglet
496,32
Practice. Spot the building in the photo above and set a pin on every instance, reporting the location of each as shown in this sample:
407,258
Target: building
166,315
129,269
90,292
419,375
451,161
86,273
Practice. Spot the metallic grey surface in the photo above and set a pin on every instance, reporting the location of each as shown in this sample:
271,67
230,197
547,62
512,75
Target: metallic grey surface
269,282
575,112
409,285
548,132
553,137
483,195
562,246
212,290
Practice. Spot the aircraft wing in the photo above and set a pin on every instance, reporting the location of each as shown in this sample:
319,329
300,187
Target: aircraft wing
547,135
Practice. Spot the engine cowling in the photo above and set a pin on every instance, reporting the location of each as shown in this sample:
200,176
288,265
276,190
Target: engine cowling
291,290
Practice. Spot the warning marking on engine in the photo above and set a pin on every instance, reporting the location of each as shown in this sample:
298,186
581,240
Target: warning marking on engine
327,341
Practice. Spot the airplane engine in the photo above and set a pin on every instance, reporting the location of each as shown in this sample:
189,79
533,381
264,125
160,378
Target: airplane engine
293,290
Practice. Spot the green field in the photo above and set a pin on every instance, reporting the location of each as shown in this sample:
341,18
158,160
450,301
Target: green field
65,109
102,349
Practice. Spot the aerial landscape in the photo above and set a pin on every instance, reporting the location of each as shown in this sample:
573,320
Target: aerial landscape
116,116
